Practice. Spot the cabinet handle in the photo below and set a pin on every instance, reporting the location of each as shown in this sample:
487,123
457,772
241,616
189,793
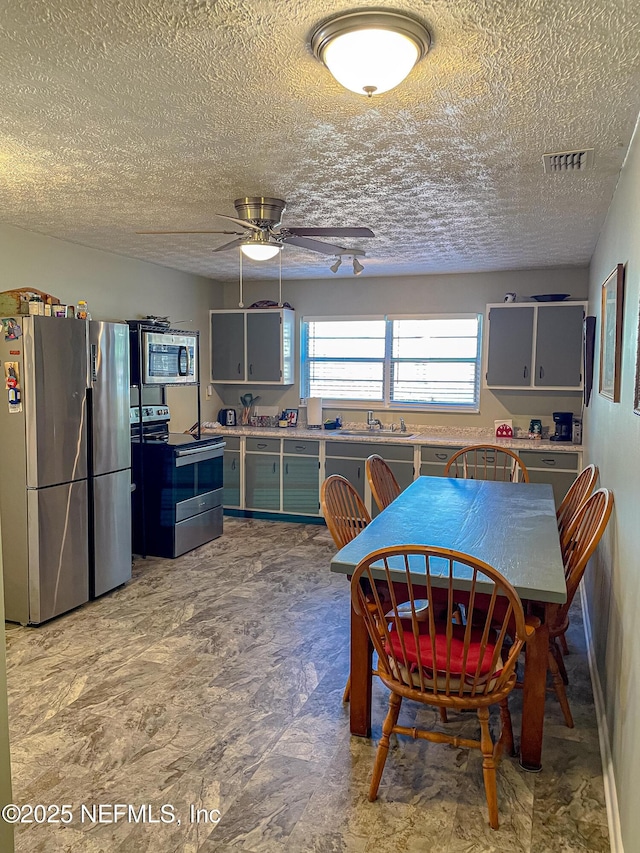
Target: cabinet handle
442,455
541,372
525,372
549,462
261,445
300,447
233,465
286,468
358,472
251,370
274,467
238,367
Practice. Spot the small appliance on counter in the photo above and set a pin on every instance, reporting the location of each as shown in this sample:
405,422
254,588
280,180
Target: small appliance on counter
227,417
577,431
563,422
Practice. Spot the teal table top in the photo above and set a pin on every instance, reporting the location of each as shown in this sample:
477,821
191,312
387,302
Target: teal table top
511,526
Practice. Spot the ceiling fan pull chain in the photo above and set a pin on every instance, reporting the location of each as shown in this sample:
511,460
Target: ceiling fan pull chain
280,281
241,303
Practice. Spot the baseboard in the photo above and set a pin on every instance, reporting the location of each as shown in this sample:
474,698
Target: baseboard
610,792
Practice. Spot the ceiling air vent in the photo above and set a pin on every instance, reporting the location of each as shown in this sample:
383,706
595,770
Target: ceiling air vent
568,161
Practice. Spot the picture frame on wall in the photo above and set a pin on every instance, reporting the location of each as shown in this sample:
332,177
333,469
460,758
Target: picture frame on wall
636,387
611,334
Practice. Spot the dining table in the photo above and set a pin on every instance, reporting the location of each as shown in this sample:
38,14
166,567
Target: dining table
510,526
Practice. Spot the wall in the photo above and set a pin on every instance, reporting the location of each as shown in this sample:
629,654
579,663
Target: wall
613,443
116,288
344,294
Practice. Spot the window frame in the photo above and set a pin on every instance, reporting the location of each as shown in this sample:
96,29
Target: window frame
386,402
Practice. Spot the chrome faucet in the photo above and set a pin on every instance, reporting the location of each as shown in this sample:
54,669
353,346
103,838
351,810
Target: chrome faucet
372,422
403,426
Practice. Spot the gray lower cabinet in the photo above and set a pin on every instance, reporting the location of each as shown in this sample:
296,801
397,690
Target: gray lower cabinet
352,469
231,478
300,485
558,469
348,459
434,459
262,481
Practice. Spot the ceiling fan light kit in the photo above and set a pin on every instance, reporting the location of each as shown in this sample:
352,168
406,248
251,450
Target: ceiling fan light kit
260,216
372,51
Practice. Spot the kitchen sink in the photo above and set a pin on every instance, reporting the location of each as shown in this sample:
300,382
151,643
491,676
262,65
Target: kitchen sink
376,433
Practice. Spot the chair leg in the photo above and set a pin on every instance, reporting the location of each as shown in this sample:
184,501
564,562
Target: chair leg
347,690
563,644
488,767
443,715
395,701
506,735
561,693
555,648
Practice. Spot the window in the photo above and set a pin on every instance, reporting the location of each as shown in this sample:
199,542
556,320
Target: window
408,362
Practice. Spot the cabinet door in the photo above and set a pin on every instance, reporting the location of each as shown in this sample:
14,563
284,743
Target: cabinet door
264,343
559,347
227,347
231,478
352,469
262,481
301,485
510,347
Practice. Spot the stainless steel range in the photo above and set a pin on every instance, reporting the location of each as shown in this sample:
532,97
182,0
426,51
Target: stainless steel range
177,502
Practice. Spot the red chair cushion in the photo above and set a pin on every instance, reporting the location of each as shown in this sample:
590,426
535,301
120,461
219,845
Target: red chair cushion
457,651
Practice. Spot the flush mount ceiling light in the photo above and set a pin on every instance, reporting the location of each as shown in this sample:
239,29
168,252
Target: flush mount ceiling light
260,248
372,51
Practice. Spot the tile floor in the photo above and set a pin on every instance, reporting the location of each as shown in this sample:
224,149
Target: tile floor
216,680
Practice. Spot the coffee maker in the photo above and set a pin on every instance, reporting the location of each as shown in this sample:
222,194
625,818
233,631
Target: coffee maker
564,423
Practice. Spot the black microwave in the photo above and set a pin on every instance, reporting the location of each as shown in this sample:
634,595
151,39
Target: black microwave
162,356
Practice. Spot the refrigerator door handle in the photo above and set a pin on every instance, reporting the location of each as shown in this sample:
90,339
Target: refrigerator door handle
94,362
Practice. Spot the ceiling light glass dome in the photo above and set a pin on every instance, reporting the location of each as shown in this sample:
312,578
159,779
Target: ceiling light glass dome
370,52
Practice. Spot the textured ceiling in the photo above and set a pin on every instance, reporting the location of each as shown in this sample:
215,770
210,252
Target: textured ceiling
123,115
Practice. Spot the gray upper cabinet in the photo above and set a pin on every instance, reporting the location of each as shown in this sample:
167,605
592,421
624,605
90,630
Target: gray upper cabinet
510,347
254,346
227,346
559,346
534,346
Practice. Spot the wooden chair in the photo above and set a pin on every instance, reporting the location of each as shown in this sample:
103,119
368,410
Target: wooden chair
343,509
436,661
382,482
577,494
487,462
581,540
345,515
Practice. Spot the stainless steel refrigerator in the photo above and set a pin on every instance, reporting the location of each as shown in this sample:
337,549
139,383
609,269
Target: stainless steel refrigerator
65,460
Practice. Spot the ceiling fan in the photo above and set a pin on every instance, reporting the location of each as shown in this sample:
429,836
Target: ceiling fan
264,236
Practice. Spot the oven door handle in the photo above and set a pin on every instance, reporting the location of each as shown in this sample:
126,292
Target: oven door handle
194,455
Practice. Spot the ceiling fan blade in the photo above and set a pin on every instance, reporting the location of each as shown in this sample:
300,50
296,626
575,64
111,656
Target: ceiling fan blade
187,232
231,245
330,232
242,222
318,246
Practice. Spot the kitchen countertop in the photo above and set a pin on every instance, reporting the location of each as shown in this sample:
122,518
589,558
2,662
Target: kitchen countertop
449,436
